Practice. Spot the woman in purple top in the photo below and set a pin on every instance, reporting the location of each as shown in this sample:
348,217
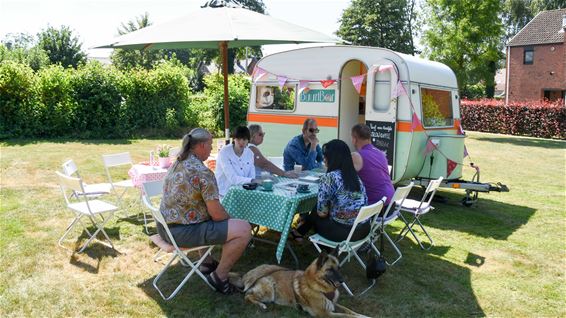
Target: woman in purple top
371,165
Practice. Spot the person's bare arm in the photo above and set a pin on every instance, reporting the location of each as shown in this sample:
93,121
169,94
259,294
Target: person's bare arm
358,161
265,164
216,210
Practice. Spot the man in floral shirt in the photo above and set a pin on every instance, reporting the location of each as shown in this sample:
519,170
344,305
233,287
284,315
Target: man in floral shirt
193,212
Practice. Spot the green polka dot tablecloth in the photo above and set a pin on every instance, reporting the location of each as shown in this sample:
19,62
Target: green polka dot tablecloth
272,209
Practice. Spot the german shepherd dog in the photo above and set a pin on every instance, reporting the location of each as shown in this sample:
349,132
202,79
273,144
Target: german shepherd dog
314,290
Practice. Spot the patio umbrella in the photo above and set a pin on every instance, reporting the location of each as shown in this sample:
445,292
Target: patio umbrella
220,25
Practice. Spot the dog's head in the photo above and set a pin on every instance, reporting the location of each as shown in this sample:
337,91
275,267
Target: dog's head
326,271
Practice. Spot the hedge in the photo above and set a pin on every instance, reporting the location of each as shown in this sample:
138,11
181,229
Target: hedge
536,119
97,101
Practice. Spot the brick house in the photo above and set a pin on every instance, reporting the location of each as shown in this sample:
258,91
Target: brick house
536,59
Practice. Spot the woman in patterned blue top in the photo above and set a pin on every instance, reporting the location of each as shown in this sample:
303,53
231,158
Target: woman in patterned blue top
341,194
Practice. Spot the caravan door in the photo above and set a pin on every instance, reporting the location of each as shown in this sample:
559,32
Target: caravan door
381,107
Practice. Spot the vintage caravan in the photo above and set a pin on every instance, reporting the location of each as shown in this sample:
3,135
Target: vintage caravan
410,104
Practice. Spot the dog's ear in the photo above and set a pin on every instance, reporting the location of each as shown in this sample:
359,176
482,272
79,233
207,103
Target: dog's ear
321,259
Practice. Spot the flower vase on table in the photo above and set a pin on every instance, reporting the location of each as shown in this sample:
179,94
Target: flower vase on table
163,155
164,162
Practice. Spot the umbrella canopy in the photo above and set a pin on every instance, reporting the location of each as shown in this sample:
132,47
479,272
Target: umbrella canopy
219,27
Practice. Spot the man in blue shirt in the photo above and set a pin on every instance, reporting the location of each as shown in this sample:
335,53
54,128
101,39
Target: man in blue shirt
304,149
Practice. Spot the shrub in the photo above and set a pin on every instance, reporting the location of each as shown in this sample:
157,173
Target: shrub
18,100
537,119
57,106
96,92
213,103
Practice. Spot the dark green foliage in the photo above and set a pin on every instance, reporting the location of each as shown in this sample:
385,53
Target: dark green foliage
61,46
96,90
18,100
382,23
210,105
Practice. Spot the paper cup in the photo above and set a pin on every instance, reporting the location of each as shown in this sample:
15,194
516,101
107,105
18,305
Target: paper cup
298,168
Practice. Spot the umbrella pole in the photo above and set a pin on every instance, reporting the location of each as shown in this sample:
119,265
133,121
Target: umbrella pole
224,53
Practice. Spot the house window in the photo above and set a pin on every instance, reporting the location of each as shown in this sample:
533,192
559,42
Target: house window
272,97
437,107
528,55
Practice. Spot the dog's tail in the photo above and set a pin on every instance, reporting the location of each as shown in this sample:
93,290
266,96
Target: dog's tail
251,277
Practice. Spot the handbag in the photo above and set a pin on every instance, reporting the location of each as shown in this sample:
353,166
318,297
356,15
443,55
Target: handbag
376,266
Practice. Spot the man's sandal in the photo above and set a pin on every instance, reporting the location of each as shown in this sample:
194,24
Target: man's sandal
221,286
296,236
207,268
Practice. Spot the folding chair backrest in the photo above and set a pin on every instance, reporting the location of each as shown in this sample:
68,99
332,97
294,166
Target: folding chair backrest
70,168
433,185
71,183
366,213
117,159
399,196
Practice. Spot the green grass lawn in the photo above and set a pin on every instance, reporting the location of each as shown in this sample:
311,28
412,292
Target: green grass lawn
504,257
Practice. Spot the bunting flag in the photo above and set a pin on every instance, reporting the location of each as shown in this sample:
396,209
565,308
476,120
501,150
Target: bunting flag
416,123
383,68
357,81
326,83
465,151
398,90
282,80
259,73
460,129
429,147
450,166
303,85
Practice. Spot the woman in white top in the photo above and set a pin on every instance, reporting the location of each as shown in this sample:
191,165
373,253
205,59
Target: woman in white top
235,162
262,163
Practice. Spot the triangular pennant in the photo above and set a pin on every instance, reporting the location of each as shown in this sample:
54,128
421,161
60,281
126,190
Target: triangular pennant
326,83
259,73
415,123
304,85
450,166
466,152
358,81
281,80
460,129
429,147
398,90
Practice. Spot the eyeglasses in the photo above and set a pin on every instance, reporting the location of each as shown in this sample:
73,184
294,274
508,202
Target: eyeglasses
314,130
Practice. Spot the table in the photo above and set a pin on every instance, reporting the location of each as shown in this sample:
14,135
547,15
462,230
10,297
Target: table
145,173
272,209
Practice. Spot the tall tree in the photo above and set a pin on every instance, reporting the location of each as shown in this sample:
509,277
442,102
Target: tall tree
517,13
465,35
127,59
61,46
383,23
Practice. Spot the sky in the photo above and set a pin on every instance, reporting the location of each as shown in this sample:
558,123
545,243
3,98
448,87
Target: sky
96,21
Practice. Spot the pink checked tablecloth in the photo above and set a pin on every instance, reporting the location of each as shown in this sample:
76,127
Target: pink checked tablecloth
145,173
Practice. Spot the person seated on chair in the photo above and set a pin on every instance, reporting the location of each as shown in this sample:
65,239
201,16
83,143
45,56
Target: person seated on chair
371,165
261,163
235,162
191,208
341,195
304,149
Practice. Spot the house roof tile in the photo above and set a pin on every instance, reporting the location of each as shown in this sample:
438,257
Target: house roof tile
545,27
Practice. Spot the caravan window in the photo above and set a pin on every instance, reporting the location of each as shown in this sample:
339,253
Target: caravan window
437,107
272,97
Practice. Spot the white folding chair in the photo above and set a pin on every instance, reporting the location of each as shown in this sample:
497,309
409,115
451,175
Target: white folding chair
349,247
418,209
115,160
92,190
94,210
153,189
381,222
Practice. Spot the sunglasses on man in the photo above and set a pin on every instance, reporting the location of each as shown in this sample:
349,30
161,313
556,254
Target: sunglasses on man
314,130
